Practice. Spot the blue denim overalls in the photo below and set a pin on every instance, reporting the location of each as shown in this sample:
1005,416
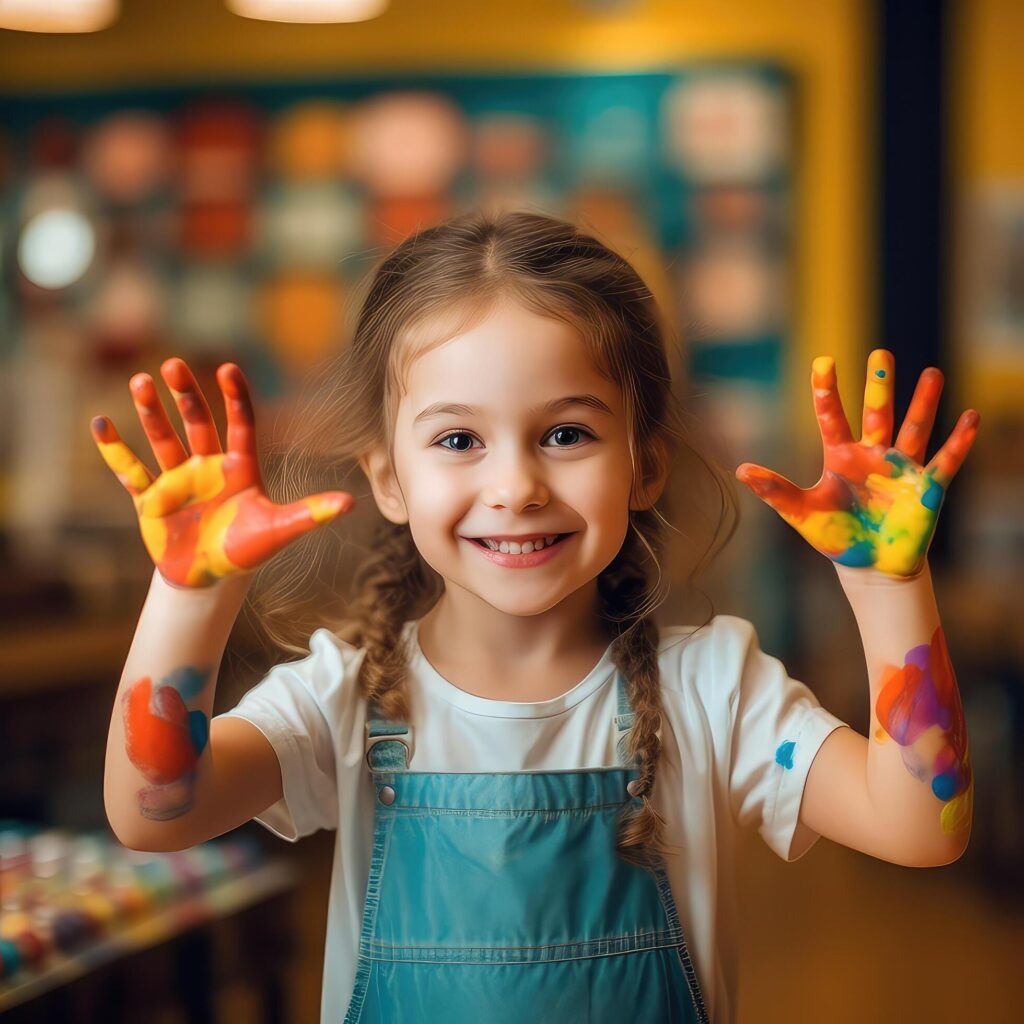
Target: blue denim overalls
497,898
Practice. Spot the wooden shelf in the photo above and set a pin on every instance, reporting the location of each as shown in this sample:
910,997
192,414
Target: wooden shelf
215,903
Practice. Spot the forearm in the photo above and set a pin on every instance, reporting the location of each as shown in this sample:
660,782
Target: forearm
158,755
918,770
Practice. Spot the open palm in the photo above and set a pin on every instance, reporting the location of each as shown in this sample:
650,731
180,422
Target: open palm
876,504
206,516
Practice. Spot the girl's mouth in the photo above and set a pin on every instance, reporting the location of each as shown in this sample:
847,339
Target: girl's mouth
522,561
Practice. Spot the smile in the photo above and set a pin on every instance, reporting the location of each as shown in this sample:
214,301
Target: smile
520,560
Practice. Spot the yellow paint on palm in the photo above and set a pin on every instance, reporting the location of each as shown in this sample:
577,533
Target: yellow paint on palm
213,531
118,456
831,532
198,479
905,524
154,536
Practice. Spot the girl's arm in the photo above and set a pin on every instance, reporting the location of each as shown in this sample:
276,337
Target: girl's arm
207,523
904,794
159,793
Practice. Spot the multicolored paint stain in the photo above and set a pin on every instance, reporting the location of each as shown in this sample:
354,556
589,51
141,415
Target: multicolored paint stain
206,516
875,505
164,740
919,707
784,754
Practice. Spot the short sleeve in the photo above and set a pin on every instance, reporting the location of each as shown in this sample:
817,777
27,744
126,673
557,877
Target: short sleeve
777,728
296,706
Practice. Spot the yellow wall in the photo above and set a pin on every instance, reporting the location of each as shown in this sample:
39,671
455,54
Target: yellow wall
825,43
989,150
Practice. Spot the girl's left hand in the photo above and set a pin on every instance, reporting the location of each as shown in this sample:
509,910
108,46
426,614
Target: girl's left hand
876,504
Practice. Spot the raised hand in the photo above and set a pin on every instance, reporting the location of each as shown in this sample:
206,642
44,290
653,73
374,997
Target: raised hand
876,504
206,516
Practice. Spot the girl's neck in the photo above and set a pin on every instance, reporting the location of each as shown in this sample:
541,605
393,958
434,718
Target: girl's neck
498,656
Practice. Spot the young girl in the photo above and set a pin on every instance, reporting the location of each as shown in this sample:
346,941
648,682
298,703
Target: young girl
535,789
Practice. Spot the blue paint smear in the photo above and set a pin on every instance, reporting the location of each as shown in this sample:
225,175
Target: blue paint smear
859,555
188,681
932,498
880,374
198,729
784,755
944,786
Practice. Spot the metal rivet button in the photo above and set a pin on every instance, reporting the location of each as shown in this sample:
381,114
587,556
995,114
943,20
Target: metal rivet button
634,787
387,795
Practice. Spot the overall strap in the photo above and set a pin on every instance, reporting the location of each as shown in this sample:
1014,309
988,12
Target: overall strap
623,720
389,744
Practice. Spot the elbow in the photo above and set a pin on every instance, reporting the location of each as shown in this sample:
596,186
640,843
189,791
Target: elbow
941,856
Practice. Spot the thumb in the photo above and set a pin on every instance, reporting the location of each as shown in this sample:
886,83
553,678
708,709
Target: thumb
298,517
773,489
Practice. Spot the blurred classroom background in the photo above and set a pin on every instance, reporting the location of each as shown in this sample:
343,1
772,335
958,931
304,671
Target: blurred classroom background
792,178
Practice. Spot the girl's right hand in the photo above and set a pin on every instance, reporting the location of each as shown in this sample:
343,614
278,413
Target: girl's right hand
206,516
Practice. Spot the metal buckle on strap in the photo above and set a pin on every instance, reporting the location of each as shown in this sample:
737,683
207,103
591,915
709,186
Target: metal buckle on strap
371,741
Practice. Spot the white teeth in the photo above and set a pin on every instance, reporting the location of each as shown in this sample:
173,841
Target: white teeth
511,547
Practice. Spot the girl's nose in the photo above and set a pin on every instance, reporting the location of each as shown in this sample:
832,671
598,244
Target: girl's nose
516,485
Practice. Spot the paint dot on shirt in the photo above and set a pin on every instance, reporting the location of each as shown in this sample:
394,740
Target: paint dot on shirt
880,374
784,755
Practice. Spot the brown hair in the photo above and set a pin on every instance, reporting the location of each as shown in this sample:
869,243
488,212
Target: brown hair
455,271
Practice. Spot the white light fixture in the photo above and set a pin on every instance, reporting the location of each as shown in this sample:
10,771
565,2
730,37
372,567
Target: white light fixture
310,12
58,15
56,248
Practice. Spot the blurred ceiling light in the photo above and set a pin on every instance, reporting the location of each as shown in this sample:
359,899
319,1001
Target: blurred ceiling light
56,248
308,11
58,15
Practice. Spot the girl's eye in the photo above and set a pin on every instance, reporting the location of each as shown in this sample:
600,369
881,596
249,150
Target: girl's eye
557,431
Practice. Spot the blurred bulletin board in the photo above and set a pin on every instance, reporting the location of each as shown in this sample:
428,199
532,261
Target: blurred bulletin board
219,225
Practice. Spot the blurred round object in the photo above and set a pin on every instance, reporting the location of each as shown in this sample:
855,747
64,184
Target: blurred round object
390,220
738,208
725,127
211,306
10,958
127,155
125,315
310,141
612,146
218,151
215,229
734,292
65,16
309,11
408,144
509,146
53,143
302,317
314,225
56,248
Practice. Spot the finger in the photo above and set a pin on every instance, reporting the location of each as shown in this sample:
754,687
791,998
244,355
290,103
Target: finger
273,527
950,457
238,403
166,444
917,426
827,407
781,494
127,466
876,421
195,413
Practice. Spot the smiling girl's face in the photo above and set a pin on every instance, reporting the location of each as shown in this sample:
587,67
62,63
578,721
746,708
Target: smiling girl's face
505,465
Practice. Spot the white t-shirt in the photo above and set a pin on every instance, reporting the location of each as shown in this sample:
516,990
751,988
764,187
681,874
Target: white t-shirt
738,738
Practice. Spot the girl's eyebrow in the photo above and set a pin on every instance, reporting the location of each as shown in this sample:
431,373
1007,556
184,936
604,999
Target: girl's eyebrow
440,408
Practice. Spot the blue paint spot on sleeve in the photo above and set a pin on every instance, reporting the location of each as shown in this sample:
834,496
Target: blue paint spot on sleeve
784,755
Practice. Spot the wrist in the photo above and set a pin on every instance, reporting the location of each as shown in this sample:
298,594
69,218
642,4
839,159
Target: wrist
854,578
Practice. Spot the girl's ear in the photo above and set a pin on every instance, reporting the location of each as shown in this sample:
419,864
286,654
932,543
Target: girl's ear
654,469
377,468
